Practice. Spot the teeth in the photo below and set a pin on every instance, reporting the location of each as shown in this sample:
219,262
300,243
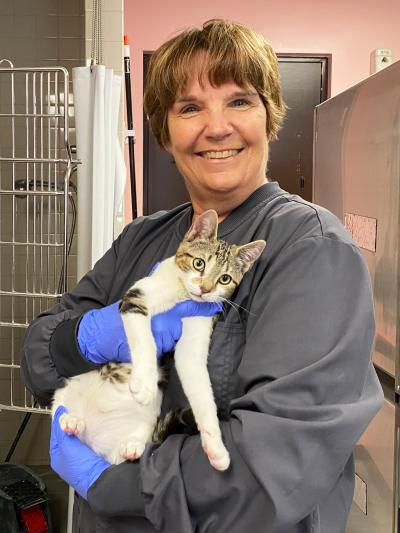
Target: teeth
220,155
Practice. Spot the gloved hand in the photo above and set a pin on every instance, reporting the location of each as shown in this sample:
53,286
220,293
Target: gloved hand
101,335
72,460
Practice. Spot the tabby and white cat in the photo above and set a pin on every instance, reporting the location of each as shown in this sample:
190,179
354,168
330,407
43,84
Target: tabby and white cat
115,410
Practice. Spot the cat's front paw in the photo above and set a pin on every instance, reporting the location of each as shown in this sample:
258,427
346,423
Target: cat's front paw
132,449
71,424
216,452
144,388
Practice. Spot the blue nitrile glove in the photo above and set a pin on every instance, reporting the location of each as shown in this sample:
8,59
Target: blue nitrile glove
101,335
72,460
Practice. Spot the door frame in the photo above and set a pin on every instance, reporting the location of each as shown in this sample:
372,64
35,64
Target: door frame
326,68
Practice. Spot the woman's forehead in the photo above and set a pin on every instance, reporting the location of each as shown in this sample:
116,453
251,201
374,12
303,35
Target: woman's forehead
198,83
197,88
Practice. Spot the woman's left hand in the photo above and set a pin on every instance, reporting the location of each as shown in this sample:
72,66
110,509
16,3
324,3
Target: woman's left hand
72,460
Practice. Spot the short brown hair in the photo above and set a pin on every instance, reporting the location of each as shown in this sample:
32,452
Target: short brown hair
233,53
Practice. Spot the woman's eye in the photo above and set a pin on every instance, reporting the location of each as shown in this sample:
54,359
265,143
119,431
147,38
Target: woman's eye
189,109
198,264
225,279
239,102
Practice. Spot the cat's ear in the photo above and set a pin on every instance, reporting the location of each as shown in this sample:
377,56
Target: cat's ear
249,253
204,226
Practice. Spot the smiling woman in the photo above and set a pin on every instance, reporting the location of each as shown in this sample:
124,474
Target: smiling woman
214,110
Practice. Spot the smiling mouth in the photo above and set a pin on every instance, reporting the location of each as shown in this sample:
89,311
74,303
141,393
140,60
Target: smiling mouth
219,154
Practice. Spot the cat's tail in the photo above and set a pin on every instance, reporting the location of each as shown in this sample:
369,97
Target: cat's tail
178,421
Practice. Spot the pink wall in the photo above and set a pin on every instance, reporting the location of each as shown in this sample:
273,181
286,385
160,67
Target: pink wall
347,29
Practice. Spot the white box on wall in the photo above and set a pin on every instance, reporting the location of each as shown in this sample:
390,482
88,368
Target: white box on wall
380,59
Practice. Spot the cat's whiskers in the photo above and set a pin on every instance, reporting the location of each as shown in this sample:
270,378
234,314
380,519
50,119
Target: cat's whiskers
236,306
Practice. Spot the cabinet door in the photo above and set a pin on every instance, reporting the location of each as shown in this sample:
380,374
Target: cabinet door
304,85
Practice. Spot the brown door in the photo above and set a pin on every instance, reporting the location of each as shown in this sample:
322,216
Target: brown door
304,85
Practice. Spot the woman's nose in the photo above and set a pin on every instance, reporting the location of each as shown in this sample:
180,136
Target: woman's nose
218,125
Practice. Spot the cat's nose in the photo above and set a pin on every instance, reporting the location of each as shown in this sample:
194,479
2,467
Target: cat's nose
205,288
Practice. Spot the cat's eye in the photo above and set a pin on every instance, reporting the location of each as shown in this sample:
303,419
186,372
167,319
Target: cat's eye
225,279
199,264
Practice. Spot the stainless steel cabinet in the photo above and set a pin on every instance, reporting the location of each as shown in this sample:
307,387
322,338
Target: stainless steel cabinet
357,177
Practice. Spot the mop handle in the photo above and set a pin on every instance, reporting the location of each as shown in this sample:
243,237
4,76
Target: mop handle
129,117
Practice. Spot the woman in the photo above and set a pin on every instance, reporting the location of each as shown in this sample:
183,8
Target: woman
291,371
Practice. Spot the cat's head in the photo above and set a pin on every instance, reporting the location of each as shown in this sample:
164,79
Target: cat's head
211,268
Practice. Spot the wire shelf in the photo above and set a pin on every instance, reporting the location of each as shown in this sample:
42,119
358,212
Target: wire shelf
36,164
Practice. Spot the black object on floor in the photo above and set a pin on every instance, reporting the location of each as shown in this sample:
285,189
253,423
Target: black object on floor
23,501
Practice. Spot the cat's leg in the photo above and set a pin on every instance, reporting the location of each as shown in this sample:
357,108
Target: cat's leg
70,422
137,322
191,364
135,440
147,297
133,445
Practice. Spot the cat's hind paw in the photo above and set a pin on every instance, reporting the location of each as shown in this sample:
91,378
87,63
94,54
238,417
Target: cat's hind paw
132,449
71,424
215,450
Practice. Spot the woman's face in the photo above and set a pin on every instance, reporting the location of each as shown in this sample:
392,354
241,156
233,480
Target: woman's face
219,143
